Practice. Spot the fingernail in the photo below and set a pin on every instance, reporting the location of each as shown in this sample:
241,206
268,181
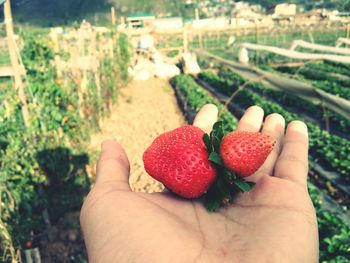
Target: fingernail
298,126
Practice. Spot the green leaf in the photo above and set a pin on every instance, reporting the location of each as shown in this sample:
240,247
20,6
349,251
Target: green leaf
218,130
243,185
222,188
206,140
217,193
217,126
215,158
216,143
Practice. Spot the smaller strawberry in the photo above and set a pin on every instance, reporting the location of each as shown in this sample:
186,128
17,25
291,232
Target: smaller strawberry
244,152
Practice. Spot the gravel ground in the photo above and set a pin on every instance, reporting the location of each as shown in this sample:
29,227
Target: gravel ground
145,109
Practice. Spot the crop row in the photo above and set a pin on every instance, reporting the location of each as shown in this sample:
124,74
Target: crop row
333,67
327,83
329,150
311,72
337,122
197,97
333,231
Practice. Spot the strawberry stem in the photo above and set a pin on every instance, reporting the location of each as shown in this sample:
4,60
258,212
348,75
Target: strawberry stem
226,184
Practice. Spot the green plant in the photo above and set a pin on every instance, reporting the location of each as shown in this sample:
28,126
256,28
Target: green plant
42,167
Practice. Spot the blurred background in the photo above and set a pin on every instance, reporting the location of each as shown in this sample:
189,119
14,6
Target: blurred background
76,72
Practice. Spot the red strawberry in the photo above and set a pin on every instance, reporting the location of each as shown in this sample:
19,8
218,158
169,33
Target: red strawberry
179,159
244,152
28,244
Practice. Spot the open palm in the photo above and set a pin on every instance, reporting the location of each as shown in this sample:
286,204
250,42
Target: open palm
275,222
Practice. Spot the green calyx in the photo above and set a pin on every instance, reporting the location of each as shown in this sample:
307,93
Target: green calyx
227,184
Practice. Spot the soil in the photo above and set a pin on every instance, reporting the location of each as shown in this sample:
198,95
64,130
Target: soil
144,110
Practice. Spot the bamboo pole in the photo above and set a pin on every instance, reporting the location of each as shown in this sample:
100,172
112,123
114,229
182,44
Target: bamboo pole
19,84
347,33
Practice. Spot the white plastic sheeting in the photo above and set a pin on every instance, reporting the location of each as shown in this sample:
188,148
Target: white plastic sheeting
243,56
145,69
295,87
297,55
231,40
190,63
165,71
304,44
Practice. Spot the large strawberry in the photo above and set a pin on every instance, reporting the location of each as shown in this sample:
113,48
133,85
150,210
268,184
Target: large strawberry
179,159
244,152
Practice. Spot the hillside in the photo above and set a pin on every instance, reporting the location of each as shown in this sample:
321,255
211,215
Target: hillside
50,13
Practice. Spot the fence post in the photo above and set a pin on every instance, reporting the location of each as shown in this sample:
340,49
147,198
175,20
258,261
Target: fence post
14,56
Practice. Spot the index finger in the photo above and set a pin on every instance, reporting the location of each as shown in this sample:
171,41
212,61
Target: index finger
292,164
206,117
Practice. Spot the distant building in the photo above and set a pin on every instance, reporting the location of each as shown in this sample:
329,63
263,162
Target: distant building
245,11
218,22
140,20
285,10
168,23
246,14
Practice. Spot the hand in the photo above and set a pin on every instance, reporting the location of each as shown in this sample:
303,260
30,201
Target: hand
275,222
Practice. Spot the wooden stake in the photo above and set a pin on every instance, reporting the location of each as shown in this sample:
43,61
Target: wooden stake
311,37
113,16
200,39
196,14
257,42
347,33
185,40
15,62
56,49
122,20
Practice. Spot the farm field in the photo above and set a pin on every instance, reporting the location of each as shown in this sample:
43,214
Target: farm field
80,88
329,180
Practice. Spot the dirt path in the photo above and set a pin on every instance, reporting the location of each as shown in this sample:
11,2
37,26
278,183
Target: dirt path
145,109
